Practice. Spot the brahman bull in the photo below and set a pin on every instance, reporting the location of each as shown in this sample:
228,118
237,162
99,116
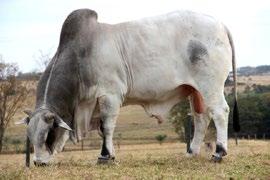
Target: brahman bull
153,62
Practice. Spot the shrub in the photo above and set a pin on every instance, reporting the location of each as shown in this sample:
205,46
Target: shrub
161,138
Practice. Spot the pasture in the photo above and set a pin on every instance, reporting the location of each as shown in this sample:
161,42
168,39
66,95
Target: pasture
139,157
248,160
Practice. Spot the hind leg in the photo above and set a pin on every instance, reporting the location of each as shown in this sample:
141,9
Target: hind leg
219,113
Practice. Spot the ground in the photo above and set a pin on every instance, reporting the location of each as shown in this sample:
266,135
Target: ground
249,160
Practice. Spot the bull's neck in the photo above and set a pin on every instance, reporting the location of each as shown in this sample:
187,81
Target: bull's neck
58,87
45,98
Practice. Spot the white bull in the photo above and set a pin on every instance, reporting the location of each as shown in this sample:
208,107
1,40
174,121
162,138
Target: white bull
154,62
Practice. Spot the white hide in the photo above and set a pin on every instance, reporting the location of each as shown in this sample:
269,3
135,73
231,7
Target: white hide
144,62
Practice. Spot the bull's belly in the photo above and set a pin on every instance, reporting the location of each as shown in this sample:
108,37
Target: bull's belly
155,104
160,106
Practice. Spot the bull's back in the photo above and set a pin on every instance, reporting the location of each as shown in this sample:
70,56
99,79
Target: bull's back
166,51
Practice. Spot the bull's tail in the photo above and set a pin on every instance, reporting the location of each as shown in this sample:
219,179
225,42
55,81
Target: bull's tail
236,125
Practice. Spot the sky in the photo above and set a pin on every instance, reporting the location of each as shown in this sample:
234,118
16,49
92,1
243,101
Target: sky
29,27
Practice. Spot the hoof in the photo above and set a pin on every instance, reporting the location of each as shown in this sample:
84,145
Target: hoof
190,154
40,164
105,160
220,150
216,158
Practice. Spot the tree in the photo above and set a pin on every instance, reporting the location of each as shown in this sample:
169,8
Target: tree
43,60
254,112
12,95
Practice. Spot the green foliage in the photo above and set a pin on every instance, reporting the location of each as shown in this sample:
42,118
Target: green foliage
254,111
179,117
260,88
161,138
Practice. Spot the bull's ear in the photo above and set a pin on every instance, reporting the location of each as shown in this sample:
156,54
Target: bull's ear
62,124
23,121
28,112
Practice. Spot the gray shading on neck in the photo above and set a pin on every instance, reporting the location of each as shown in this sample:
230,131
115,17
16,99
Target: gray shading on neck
58,87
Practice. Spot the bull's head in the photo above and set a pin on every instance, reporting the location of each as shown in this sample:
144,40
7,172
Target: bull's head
47,132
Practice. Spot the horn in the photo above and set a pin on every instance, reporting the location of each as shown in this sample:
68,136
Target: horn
23,121
28,112
62,124
72,137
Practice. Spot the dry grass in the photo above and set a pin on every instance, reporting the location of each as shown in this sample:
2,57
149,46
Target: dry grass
245,81
249,160
255,79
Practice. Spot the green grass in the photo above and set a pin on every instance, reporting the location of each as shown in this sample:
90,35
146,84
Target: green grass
249,160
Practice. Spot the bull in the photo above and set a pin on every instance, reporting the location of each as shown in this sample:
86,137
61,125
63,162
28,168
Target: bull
153,62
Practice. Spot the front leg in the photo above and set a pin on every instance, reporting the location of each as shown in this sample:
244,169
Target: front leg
201,123
107,149
109,110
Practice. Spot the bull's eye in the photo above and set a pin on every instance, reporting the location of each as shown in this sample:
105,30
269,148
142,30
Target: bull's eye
50,139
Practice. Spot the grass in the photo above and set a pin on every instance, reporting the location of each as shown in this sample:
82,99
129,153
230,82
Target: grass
248,160
137,160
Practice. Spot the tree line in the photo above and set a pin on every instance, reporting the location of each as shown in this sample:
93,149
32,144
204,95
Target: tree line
254,112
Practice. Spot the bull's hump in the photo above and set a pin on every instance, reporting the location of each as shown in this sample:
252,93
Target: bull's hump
76,23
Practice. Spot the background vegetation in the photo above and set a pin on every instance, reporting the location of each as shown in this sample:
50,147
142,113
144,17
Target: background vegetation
254,112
